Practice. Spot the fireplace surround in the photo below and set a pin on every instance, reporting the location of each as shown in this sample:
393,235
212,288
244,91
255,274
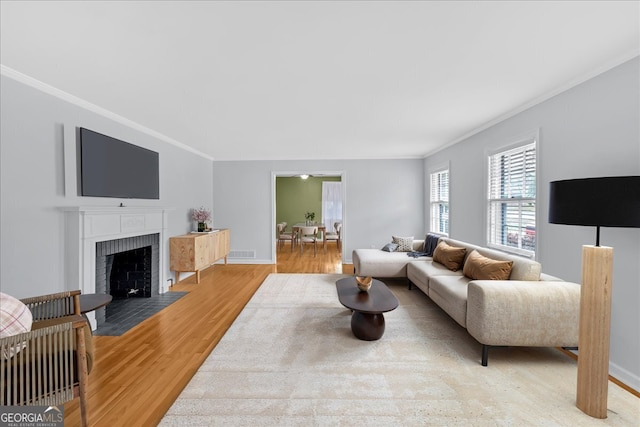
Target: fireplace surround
85,227
127,268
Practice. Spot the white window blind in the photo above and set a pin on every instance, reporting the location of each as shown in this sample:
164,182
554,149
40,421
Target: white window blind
512,199
440,202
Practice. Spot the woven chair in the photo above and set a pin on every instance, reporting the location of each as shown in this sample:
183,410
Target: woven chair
49,364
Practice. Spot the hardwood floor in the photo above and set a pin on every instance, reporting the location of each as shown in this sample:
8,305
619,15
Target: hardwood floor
137,376
325,261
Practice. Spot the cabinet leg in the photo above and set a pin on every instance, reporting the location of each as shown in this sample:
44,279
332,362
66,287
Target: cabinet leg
177,277
198,276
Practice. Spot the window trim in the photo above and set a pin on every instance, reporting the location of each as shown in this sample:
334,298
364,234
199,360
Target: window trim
438,169
522,140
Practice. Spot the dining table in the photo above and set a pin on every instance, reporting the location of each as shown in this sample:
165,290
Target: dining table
295,228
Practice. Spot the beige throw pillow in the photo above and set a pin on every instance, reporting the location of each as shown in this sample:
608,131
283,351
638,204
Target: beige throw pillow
405,244
449,256
479,267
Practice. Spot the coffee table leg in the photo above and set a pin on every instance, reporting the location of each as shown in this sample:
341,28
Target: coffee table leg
367,327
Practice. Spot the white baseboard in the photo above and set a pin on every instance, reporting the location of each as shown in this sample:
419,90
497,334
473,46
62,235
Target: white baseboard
628,378
248,261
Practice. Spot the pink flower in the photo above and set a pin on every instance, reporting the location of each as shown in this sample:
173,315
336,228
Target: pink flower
201,215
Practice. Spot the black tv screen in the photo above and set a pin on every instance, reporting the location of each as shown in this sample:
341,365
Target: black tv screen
114,168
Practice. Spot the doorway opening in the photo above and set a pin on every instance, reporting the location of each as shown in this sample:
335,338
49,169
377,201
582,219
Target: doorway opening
297,197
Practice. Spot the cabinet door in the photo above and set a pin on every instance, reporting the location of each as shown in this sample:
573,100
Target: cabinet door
183,257
215,250
202,248
211,253
220,243
225,245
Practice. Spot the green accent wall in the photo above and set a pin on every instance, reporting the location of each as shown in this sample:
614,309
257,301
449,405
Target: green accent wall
296,196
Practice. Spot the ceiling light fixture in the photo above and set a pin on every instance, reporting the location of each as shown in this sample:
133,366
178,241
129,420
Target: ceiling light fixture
304,176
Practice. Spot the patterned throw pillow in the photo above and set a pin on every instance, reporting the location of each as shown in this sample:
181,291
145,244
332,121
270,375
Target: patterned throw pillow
405,244
15,318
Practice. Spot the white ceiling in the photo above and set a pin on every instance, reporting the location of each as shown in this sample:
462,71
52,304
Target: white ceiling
315,80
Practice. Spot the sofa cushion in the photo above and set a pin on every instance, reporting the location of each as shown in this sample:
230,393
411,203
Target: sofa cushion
418,245
450,293
405,244
377,263
449,256
480,267
428,268
419,273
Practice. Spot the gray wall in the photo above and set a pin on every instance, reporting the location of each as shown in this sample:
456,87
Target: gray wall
32,183
382,197
590,130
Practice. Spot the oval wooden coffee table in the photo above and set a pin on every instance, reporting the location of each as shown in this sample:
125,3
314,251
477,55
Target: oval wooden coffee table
367,320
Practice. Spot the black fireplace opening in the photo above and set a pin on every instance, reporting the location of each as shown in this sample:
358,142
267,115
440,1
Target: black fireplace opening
128,269
129,275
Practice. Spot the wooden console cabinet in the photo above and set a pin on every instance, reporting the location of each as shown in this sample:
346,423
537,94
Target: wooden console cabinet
198,251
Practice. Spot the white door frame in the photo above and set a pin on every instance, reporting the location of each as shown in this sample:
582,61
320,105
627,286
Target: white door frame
275,174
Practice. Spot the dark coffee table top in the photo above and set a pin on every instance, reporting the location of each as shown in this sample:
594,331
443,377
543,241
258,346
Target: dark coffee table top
378,299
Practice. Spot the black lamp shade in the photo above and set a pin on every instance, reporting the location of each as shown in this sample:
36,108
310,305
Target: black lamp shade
603,202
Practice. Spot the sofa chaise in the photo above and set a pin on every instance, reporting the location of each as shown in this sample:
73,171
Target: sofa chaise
518,306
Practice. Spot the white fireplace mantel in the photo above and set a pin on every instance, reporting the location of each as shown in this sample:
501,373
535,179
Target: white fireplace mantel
87,225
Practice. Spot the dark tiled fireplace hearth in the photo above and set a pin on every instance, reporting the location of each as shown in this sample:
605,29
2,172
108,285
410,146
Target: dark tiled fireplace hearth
127,268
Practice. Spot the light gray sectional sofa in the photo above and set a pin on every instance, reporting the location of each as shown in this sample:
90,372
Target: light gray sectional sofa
529,309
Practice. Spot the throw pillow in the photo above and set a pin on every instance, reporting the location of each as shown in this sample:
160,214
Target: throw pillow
15,318
479,267
390,247
449,256
405,244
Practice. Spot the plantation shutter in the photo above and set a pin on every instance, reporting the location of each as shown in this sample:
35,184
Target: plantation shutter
512,199
440,202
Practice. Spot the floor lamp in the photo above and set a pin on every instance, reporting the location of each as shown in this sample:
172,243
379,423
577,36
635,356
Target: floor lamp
599,202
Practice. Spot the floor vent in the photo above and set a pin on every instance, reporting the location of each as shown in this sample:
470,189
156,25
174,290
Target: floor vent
242,253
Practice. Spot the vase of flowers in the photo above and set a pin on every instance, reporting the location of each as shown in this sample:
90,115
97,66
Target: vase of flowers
309,217
202,216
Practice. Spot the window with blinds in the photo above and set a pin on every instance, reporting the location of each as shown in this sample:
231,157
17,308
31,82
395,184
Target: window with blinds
440,202
512,200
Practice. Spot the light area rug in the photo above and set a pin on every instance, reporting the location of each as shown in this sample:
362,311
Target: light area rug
290,359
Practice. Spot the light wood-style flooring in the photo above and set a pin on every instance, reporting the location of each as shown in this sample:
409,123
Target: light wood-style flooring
137,376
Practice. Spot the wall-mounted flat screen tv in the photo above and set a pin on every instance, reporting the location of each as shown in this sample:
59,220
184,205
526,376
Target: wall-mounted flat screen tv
113,168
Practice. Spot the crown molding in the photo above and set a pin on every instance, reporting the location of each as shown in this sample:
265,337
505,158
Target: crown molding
540,99
48,89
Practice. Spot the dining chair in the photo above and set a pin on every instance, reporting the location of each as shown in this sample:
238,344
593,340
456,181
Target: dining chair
284,236
336,236
308,235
